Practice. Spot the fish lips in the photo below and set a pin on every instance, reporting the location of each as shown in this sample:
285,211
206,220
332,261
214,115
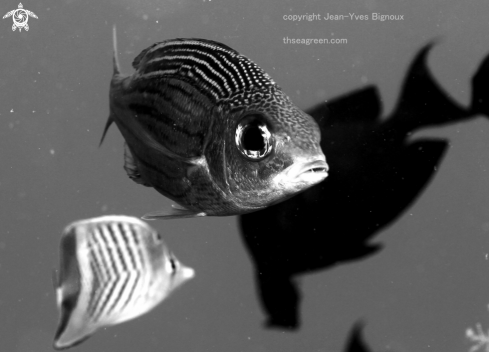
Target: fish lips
303,174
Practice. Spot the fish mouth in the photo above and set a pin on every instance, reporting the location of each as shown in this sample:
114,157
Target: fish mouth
303,174
310,172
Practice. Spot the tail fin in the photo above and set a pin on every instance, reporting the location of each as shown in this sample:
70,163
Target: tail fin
423,102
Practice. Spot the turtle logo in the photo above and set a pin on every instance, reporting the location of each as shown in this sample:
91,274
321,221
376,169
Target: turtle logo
20,17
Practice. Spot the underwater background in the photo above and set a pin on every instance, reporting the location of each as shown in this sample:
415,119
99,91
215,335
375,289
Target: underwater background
421,292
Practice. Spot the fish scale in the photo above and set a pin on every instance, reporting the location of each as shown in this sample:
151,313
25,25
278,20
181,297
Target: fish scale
153,111
113,269
208,128
222,71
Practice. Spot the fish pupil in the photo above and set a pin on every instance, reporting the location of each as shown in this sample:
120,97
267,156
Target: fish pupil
253,138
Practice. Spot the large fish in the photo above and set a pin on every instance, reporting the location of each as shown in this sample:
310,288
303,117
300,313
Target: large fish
112,269
209,129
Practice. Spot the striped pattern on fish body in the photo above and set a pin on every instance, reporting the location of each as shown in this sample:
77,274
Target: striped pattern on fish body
221,73
112,269
209,129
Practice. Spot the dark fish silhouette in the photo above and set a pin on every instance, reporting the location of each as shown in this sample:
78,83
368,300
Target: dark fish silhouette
112,269
209,129
376,173
480,89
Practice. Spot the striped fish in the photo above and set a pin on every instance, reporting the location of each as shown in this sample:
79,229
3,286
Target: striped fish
209,129
112,269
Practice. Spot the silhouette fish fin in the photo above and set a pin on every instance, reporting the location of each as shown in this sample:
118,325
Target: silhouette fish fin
423,102
131,168
177,212
356,343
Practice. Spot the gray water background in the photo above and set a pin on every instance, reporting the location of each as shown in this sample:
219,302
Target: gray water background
420,293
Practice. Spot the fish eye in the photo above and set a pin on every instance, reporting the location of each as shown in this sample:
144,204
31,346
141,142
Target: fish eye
173,266
253,138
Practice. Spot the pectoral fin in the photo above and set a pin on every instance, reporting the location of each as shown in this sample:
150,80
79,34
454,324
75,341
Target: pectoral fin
150,142
177,212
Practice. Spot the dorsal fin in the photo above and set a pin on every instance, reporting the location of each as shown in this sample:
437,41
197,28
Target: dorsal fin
115,57
166,44
117,71
214,69
131,167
